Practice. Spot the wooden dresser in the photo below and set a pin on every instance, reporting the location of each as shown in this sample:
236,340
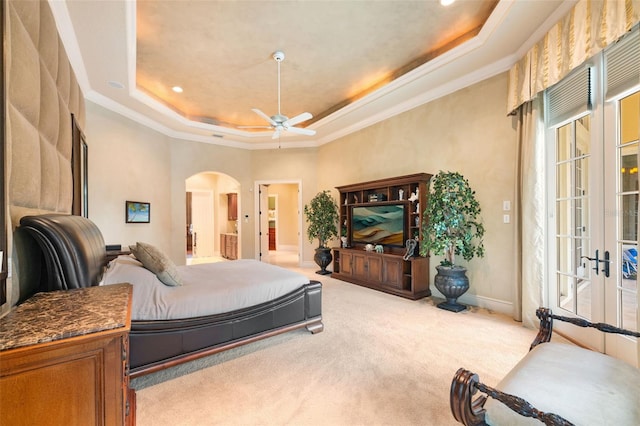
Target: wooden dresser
64,359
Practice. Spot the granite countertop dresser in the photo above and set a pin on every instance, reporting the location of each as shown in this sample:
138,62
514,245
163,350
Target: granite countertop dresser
64,359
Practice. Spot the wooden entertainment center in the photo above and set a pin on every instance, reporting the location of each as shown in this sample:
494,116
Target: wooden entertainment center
388,271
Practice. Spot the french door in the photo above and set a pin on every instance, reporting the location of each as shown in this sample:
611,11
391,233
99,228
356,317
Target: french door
621,183
594,210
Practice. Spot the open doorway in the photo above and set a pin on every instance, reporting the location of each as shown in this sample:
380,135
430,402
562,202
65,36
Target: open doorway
279,222
212,230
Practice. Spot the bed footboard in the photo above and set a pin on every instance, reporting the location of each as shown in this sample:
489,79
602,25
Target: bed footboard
155,345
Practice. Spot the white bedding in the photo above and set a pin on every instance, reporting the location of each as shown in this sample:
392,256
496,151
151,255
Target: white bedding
206,289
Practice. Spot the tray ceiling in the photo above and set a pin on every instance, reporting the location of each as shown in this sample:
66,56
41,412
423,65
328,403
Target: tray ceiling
349,63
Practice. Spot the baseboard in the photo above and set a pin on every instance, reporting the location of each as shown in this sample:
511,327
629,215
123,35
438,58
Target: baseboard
309,264
494,305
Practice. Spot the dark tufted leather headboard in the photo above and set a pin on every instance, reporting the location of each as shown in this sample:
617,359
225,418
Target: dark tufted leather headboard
58,252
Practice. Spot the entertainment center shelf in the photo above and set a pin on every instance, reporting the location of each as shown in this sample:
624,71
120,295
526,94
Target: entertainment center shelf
403,198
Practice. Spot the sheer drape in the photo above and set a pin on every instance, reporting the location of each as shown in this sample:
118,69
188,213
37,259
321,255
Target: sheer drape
530,202
587,29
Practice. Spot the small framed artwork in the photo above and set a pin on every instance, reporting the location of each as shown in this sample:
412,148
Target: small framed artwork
137,212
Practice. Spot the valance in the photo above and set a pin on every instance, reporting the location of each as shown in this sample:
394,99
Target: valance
587,29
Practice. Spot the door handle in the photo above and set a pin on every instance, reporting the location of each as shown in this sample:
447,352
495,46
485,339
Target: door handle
606,262
592,259
597,259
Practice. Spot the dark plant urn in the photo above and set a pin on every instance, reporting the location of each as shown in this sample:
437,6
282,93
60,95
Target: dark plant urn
323,258
452,282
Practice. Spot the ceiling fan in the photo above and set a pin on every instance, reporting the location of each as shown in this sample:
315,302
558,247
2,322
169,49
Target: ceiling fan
279,122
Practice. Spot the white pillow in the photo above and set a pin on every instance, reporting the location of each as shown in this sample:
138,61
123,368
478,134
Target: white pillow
157,262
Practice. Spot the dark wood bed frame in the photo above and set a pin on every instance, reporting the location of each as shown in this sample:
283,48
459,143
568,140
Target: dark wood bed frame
63,252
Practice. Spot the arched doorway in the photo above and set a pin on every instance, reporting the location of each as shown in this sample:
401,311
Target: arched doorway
212,228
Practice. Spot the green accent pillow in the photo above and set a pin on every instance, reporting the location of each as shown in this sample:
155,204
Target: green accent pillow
157,262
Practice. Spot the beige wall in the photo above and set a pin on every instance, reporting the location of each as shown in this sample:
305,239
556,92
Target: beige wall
466,131
127,161
131,161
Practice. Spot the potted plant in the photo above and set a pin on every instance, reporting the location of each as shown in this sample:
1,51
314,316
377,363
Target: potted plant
322,215
452,227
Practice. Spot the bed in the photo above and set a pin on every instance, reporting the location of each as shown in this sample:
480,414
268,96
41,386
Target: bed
208,309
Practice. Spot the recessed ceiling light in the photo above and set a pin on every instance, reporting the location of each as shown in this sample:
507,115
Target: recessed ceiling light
446,2
177,89
115,84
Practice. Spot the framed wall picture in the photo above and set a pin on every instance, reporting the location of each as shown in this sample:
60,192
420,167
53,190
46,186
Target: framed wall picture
137,212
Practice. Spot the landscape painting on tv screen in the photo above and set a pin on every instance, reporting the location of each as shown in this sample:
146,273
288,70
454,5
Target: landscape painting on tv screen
378,224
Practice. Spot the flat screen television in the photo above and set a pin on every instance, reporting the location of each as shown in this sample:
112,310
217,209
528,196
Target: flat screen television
378,224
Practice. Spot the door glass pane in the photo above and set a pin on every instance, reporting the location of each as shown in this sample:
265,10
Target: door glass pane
572,216
563,217
565,255
565,290
563,179
627,217
584,298
629,304
564,145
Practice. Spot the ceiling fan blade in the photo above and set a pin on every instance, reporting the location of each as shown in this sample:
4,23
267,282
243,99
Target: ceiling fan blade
299,118
254,127
276,134
265,116
301,131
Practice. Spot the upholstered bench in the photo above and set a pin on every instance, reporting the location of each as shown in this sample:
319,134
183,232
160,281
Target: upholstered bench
556,383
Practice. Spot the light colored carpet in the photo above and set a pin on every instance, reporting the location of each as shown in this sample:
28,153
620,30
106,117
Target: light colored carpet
381,360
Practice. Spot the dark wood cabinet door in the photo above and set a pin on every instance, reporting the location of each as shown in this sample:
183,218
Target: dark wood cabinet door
346,263
359,266
393,272
374,269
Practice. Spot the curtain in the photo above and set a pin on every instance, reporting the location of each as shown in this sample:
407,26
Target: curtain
530,215
587,29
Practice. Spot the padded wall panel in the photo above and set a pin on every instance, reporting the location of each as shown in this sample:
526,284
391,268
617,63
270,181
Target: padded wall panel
65,199
24,174
42,94
48,44
49,175
28,15
49,108
63,79
24,73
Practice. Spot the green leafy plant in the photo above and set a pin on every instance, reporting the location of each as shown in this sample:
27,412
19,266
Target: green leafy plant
452,220
322,215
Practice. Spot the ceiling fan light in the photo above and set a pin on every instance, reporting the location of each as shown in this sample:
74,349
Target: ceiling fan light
280,122
446,2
